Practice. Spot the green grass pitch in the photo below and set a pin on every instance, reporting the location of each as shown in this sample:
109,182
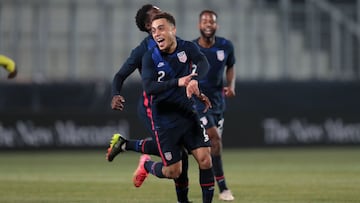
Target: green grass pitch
288,175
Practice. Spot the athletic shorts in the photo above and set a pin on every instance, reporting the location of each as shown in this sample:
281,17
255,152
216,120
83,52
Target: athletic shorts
188,133
209,120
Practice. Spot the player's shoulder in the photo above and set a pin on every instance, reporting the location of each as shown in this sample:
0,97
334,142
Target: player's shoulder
148,53
223,41
196,40
143,47
147,43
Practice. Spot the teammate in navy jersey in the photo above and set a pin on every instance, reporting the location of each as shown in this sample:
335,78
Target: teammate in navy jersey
118,143
220,54
169,75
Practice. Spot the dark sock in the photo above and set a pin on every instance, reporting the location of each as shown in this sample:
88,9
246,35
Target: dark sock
207,183
219,172
149,146
154,168
133,145
182,182
145,146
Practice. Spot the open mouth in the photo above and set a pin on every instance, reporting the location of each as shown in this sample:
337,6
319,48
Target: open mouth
160,42
208,31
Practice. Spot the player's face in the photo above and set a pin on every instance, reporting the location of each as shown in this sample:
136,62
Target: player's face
208,25
150,14
164,34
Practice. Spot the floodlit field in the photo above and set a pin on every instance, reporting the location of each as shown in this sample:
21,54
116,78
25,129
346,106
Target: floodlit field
291,175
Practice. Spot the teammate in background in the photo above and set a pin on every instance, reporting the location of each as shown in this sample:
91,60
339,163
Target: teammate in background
169,75
9,65
220,54
118,143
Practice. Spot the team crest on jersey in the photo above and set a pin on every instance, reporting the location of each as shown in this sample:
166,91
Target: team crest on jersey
168,156
204,120
182,56
220,55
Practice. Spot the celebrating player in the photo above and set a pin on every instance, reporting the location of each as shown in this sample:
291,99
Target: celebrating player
170,75
118,143
220,54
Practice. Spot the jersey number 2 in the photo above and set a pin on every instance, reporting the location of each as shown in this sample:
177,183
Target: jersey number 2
161,75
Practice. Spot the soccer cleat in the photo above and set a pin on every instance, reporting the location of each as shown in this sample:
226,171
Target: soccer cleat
226,195
140,173
116,143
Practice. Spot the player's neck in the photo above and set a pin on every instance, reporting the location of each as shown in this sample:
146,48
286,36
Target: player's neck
171,48
206,42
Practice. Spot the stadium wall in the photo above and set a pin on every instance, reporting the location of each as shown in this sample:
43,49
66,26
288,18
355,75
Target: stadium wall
78,115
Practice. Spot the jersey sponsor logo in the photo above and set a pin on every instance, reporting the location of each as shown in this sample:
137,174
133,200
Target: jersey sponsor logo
168,156
182,56
220,55
160,64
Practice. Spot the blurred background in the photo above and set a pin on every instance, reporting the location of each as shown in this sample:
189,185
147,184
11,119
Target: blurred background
298,73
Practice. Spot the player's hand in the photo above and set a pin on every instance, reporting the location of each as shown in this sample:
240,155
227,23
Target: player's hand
184,81
117,102
12,74
229,92
204,99
192,88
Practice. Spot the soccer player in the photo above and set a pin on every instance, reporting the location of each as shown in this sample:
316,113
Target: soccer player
118,143
170,75
9,65
220,54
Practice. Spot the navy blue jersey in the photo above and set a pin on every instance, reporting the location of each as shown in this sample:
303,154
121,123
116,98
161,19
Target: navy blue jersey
131,64
220,55
160,76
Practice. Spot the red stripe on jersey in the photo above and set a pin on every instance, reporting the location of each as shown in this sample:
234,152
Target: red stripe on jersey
148,101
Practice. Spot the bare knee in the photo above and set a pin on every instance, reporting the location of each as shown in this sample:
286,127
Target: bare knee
202,156
205,162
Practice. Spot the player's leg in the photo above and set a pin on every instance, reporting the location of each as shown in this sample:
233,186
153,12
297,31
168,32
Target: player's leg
148,145
170,154
214,126
207,182
182,182
120,144
158,169
225,193
199,144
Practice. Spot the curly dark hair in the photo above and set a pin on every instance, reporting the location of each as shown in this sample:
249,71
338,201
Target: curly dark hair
142,17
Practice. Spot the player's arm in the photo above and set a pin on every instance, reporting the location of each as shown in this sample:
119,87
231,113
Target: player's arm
130,65
9,65
229,89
